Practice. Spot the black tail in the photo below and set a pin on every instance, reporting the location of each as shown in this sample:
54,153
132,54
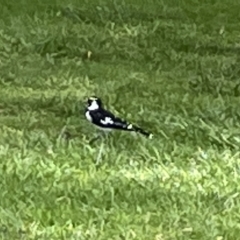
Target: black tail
124,125
131,127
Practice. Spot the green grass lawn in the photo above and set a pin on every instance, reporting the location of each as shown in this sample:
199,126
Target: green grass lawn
172,67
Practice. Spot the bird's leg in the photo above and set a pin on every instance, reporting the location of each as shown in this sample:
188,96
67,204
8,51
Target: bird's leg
100,153
102,136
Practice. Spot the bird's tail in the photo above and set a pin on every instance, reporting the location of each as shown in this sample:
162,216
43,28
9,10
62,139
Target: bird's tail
131,127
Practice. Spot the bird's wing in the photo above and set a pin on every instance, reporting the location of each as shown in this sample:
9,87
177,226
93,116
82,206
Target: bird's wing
112,121
107,119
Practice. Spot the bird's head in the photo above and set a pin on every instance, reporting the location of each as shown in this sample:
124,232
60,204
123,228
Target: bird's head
94,103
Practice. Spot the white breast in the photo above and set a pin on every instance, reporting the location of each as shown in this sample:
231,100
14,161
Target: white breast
88,116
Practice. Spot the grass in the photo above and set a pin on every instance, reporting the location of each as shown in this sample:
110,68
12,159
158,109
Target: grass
169,66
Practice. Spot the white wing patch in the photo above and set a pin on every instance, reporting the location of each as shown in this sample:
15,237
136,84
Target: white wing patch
107,121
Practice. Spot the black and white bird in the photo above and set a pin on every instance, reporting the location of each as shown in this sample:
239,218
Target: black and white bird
107,121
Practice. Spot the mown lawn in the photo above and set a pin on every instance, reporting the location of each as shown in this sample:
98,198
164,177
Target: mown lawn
172,67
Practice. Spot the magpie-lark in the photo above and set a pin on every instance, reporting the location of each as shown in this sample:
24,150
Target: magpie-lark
107,121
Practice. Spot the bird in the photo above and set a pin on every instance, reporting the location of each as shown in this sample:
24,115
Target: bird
106,120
